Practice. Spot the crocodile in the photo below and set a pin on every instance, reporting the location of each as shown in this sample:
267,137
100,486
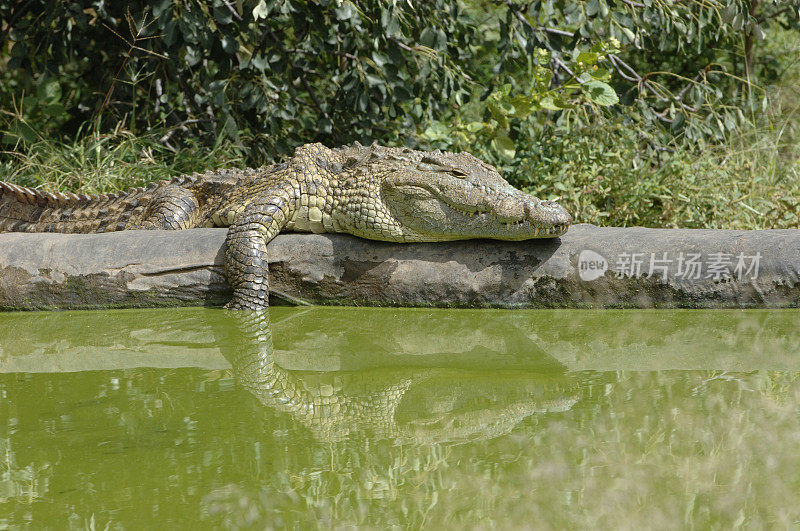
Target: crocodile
375,192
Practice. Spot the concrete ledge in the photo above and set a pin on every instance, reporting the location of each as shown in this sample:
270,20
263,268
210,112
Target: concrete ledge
590,267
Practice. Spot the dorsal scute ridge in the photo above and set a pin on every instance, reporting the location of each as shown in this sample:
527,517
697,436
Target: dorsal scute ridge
32,195
184,179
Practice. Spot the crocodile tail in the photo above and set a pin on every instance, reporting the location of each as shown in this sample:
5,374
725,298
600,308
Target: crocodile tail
28,210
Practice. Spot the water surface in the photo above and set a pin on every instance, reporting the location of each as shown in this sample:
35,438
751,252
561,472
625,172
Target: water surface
332,417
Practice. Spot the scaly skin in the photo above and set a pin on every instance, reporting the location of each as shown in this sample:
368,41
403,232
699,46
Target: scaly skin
391,194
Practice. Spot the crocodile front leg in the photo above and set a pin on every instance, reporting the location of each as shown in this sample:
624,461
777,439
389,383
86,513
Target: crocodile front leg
246,246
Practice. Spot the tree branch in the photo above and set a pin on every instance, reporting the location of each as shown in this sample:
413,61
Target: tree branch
235,13
634,76
334,52
775,14
560,64
519,16
552,31
313,97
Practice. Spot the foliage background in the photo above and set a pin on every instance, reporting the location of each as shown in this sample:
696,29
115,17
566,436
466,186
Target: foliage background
646,112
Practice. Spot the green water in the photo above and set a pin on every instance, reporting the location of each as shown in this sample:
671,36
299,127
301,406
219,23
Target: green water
334,417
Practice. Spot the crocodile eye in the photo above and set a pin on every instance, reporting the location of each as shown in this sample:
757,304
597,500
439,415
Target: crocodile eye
432,164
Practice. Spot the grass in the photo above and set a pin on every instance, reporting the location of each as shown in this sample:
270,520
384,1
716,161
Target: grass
605,176
107,163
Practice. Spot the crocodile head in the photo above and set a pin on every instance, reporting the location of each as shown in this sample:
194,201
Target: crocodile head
400,194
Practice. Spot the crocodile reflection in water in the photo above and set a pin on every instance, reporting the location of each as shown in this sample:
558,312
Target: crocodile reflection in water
407,405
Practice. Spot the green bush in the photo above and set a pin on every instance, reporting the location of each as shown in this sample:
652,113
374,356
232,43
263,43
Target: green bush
269,76
272,75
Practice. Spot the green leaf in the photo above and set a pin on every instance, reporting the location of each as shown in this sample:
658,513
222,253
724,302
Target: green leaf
169,33
678,123
549,103
223,15
474,127
587,58
229,44
738,22
49,91
192,56
629,34
600,93
729,13
23,131
561,103
345,11
504,146
373,81
161,6
392,29
260,62
436,131
600,74
523,107
231,129
523,42
506,107
54,110
379,59
498,115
